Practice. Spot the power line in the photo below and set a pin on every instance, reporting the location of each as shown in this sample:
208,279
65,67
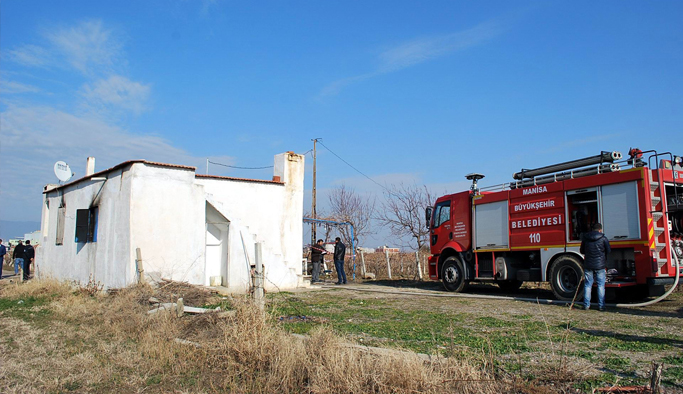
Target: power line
239,168
356,169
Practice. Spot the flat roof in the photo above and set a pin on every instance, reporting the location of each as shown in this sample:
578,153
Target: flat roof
229,178
155,163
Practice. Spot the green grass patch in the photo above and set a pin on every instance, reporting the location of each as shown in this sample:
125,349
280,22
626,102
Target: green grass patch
673,375
493,322
616,363
673,360
30,309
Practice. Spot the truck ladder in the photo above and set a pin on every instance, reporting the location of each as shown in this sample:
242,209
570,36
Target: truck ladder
660,223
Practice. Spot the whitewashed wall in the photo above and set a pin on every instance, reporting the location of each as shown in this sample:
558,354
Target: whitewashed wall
167,222
264,212
107,260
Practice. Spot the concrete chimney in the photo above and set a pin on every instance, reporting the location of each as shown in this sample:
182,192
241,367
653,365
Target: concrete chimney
90,166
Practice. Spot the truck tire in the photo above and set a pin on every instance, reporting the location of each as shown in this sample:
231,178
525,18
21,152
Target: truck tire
453,275
566,275
509,285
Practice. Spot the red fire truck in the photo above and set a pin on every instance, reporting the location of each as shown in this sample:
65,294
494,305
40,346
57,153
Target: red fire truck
530,229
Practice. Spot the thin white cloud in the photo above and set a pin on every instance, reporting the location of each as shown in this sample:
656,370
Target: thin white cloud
424,49
34,138
116,92
418,51
11,87
30,55
89,46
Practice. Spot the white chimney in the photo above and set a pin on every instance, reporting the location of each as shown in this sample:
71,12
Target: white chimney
90,166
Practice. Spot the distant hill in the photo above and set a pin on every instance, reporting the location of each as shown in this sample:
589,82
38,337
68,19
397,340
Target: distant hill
11,229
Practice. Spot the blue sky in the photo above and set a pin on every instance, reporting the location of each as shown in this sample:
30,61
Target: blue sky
413,92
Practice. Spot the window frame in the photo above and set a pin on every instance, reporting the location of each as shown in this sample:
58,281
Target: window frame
86,225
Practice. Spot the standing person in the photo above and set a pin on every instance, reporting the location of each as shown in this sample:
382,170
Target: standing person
595,247
3,252
317,252
29,254
339,251
18,256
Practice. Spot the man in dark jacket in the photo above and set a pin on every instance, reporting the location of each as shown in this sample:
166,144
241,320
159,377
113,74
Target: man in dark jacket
29,254
595,248
18,256
339,251
3,252
317,252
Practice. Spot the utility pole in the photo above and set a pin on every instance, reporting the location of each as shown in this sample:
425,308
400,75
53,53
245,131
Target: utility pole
313,212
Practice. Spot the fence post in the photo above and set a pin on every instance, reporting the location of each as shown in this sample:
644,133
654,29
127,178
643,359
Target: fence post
258,276
362,260
386,254
424,265
419,269
140,269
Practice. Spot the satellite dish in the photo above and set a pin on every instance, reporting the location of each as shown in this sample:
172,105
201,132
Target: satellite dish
63,171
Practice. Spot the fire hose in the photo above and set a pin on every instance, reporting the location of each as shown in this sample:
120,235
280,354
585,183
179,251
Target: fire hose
663,296
536,300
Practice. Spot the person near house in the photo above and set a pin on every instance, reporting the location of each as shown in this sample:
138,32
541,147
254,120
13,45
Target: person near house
18,256
317,253
3,252
595,247
29,254
339,251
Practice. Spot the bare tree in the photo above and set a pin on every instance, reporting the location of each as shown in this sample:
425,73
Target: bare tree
403,212
348,206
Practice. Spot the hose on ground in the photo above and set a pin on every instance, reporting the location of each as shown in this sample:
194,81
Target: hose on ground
524,299
663,296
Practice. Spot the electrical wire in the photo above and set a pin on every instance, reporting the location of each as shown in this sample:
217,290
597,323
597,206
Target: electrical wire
356,169
239,168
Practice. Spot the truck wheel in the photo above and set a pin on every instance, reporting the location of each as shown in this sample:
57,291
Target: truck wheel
565,277
510,285
453,275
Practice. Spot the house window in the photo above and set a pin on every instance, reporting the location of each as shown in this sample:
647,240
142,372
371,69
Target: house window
86,225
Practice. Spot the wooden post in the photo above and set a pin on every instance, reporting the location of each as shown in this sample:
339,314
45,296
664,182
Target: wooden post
424,265
258,276
362,259
419,269
386,254
655,378
138,263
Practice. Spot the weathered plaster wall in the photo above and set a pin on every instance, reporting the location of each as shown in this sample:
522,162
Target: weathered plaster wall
167,222
263,212
107,260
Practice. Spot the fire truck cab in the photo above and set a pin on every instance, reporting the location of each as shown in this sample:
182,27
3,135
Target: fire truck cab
531,229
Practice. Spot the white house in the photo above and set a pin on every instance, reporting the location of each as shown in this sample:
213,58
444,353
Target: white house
188,227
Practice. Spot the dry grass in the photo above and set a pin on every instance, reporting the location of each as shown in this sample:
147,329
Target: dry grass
71,341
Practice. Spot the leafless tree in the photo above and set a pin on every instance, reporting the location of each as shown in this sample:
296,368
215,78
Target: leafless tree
403,212
348,206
